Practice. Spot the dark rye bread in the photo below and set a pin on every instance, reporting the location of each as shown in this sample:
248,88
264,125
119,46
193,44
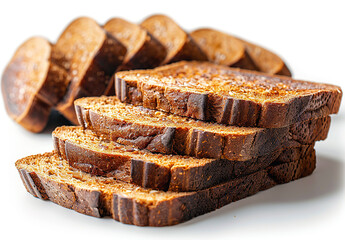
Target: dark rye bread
47,177
179,45
90,55
143,50
31,84
165,133
223,49
229,96
89,153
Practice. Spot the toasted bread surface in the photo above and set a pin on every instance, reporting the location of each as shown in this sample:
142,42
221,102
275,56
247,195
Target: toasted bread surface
215,93
160,132
86,151
47,177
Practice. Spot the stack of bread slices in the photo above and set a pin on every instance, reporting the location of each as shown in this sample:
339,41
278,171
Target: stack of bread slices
42,76
166,144
182,140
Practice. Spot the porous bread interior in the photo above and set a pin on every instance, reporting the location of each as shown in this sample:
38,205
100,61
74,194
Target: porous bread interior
89,140
204,77
51,167
167,32
129,34
219,47
111,107
26,73
77,47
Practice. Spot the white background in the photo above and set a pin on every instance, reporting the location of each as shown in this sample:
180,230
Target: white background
310,37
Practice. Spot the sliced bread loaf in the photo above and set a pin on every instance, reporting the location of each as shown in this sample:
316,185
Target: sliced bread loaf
47,177
31,84
89,153
215,93
223,49
143,50
179,45
165,133
90,56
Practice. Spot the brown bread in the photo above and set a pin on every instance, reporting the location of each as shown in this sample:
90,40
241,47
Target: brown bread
143,50
89,153
47,177
265,60
31,84
215,93
90,56
179,45
165,133
223,49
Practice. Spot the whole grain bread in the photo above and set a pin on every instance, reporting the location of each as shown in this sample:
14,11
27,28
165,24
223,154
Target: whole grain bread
160,132
215,93
31,84
223,49
90,55
89,153
179,45
143,50
47,177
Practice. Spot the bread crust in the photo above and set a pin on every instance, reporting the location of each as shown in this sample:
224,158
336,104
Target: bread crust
133,87
189,140
125,207
147,171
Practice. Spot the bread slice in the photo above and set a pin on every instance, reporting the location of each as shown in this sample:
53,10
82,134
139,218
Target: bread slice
179,45
31,84
91,56
223,49
266,60
216,93
143,50
160,132
92,154
47,177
